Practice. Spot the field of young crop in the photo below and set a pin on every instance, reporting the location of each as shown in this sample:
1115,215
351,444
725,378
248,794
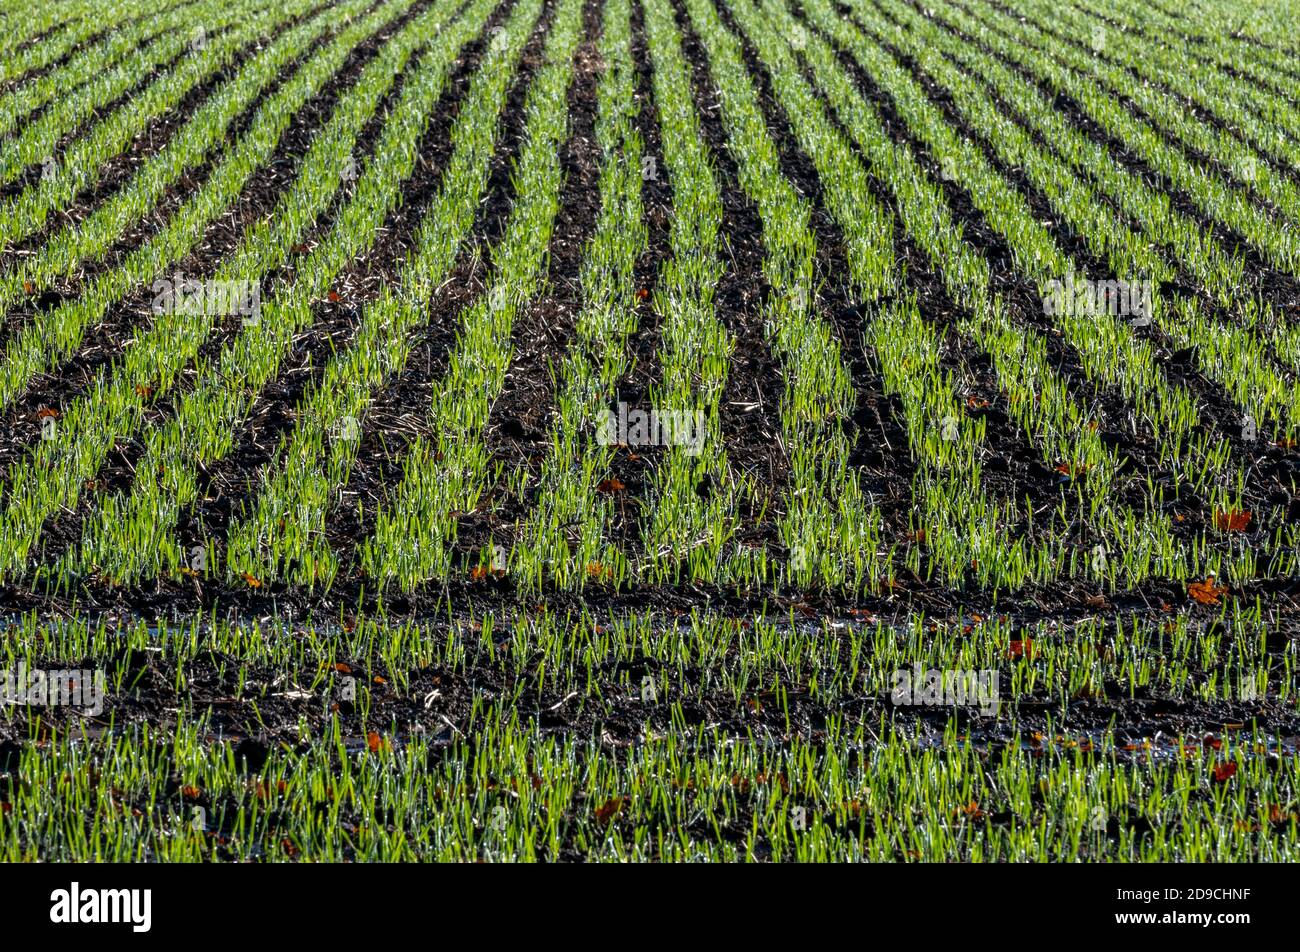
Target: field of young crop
649,429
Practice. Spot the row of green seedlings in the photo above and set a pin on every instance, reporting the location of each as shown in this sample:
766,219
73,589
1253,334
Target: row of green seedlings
1128,254
1076,73
1246,124
1230,47
36,143
281,533
1244,82
832,532
685,533
565,537
1219,272
1111,352
493,788
1232,100
54,335
1101,339
50,31
1229,354
447,474
81,165
113,407
132,535
911,372
22,27
743,665
90,240
25,98
956,524
1038,399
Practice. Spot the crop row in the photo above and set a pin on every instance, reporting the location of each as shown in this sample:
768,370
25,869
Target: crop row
135,534
406,767
113,406
566,536
19,103
446,473
90,240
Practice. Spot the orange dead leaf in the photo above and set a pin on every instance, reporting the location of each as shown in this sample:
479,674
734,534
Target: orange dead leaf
609,809
1277,815
251,580
375,744
190,793
334,297
611,485
1224,772
1207,592
1022,648
1231,520
342,668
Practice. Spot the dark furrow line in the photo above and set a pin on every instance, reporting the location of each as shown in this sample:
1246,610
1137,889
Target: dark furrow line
634,469
118,170
398,413
749,410
1216,406
517,434
1277,288
106,340
1065,601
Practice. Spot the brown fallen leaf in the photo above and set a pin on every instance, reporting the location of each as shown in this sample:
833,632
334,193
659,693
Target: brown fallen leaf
1231,520
609,809
1207,592
1022,648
